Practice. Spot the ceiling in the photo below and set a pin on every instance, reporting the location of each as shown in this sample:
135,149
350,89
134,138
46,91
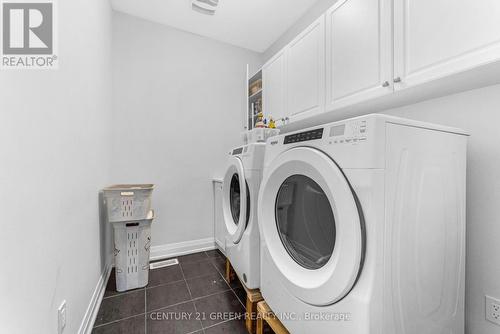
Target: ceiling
251,24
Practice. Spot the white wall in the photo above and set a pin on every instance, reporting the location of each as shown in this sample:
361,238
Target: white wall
55,156
476,111
178,108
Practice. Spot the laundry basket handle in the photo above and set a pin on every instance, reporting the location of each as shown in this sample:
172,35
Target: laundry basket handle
127,193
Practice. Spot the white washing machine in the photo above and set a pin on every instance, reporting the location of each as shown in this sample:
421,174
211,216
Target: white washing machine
363,227
240,191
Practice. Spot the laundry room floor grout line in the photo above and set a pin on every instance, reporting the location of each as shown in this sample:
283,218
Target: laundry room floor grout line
186,301
226,293
222,322
129,292
121,319
191,296
244,306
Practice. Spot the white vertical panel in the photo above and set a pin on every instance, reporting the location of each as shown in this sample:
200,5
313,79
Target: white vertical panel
274,86
434,38
306,72
359,51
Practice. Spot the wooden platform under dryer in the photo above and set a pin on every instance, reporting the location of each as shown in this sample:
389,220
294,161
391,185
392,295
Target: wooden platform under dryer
253,297
266,317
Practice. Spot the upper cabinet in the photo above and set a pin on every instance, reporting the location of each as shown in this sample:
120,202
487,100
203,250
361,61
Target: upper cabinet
305,58
436,38
273,86
369,50
358,51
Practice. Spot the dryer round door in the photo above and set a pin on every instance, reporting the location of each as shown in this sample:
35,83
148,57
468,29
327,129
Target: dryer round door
312,226
236,199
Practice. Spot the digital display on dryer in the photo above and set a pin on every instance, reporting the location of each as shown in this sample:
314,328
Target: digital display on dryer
337,130
304,136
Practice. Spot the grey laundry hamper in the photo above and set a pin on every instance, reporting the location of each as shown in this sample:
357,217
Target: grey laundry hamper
126,202
132,242
129,211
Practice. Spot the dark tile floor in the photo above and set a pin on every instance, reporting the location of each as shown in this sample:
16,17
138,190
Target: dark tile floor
191,297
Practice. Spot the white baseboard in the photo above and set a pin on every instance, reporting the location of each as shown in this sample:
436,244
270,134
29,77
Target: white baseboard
181,248
95,301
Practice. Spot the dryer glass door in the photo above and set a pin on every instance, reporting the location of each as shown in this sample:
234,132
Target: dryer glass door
236,199
235,195
312,226
305,221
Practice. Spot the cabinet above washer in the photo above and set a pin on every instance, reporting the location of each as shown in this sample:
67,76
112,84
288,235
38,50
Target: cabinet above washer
366,56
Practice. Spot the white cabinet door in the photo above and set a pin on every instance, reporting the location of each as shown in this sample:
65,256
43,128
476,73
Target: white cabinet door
306,72
219,226
358,51
437,38
273,86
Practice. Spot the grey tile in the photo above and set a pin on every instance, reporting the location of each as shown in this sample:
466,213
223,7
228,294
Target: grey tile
166,295
207,285
229,327
134,325
242,295
218,308
165,275
214,253
179,319
197,269
193,257
220,264
121,306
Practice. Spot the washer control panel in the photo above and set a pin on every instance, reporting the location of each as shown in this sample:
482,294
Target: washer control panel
349,133
304,136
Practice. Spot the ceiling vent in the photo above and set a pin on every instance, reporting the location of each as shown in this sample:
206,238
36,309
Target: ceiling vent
207,7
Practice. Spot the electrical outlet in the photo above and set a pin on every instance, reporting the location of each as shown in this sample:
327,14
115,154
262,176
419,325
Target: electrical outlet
61,317
493,310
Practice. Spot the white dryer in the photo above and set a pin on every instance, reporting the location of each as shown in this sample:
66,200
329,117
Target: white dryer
240,191
363,227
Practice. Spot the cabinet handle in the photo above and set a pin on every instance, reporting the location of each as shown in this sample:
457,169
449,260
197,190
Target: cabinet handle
385,84
398,79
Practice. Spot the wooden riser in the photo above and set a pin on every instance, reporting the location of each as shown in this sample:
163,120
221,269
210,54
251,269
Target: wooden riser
265,316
